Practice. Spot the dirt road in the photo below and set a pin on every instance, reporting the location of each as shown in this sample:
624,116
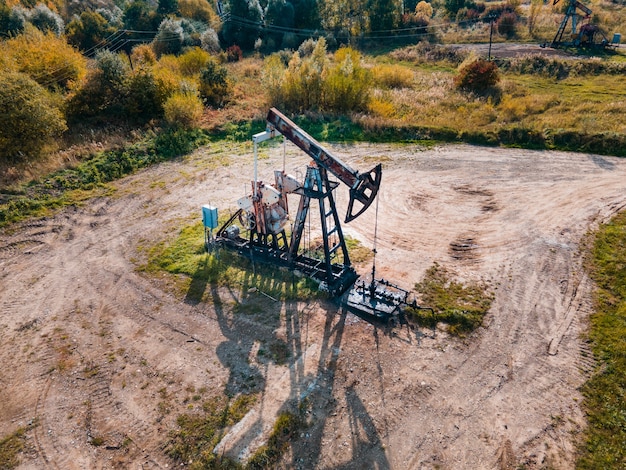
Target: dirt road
100,359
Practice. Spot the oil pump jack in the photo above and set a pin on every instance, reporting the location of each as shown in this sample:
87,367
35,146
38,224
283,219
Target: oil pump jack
588,34
264,213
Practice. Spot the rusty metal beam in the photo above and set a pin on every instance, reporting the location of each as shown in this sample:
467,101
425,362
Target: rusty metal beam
363,187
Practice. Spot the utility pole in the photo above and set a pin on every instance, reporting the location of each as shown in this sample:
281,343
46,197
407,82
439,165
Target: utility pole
490,36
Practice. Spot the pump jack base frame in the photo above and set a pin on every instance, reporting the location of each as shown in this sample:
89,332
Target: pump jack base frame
380,300
343,277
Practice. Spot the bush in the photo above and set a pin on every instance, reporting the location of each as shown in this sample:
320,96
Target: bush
479,76
143,54
12,20
209,41
143,99
507,25
234,54
29,117
307,47
169,39
178,141
347,83
199,10
193,61
46,20
183,109
46,58
88,31
393,76
214,84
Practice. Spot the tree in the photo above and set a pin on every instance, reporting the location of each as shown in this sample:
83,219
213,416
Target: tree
12,20
243,27
88,31
279,13
104,90
138,16
46,20
170,38
383,15
29,118
214,85
167,7
46,58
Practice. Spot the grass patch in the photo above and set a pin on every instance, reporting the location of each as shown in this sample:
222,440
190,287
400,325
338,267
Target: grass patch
185,256
70,186
461,307
605,392
10,448
358,253
285,430
197,435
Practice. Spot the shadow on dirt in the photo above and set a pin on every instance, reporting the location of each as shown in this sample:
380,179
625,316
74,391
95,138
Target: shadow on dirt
262,333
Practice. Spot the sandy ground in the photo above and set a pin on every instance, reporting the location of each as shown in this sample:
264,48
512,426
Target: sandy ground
95,352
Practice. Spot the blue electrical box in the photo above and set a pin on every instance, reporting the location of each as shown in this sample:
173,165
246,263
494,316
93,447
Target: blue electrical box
209,216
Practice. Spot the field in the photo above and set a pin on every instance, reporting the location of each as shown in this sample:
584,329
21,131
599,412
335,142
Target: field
102,357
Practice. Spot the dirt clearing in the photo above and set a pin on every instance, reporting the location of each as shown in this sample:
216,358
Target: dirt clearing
100,359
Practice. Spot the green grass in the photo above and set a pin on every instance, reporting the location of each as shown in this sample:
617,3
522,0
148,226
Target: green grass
605,393
10,448
197,435
186,257
71,186
461,307
285,430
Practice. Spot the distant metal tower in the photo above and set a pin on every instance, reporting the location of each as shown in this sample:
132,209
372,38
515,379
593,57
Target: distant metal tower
569,13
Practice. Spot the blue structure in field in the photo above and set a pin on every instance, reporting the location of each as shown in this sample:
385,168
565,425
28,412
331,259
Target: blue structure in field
209,220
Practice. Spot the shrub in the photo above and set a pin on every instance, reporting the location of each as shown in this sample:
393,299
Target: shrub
507,25
178,141
424,10
12,20
183,109
143,99
307,47
46,58
191,32
29,117
193,61
199,10
479,76
234,54
169,39
112,15
393,76
46,20
209,41
167,7
139,16
143,54
347,83
88,31
214,84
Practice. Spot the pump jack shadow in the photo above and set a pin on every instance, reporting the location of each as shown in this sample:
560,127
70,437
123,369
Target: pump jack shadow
248,321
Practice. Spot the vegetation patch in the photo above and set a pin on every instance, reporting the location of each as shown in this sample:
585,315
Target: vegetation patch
68,186
197,435
10,448
186,256
461,307
285,430
605,392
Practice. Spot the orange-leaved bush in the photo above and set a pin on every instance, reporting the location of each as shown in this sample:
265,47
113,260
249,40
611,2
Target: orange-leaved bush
478,76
